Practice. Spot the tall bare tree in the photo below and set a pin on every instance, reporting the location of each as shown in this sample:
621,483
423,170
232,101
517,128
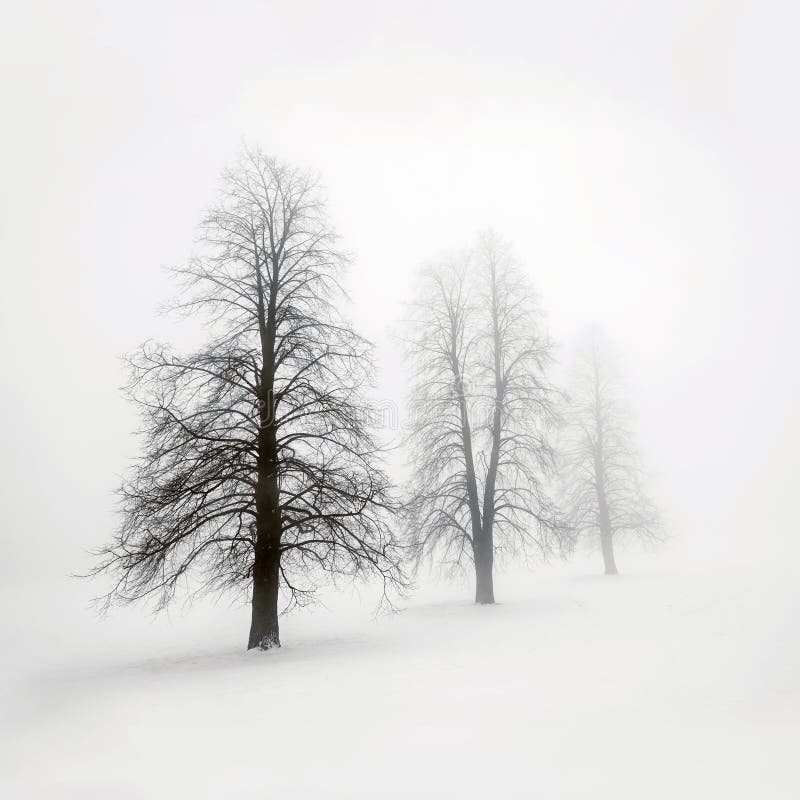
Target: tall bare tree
481,415
604,492
259,468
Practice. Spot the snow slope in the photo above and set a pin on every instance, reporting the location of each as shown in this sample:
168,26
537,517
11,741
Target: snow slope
662,683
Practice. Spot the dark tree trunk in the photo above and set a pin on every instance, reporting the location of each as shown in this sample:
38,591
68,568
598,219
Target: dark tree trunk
264,633
267,557
607,546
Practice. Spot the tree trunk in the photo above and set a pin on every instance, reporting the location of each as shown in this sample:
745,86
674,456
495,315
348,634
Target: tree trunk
606,529
607,546
267,552
267,555
484,580
264,632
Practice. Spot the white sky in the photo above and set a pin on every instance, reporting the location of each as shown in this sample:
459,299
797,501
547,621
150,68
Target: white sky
642,157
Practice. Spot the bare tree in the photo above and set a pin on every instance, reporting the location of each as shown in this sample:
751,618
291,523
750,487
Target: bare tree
481,415
603,478
259,467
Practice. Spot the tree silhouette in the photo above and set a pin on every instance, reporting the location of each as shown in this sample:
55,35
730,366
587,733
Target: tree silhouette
481,416
604,491
259,468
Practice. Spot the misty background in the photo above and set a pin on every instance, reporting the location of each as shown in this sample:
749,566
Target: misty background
641,157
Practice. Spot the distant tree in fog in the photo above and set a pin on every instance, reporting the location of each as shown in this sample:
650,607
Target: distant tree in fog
259,469
482,410
604,494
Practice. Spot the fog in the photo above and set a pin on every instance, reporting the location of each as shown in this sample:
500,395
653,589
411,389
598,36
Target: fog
641,157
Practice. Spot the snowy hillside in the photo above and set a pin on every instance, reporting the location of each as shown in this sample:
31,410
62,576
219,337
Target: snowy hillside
661,683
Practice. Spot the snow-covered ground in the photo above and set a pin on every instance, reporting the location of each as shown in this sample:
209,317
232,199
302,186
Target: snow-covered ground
665,682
